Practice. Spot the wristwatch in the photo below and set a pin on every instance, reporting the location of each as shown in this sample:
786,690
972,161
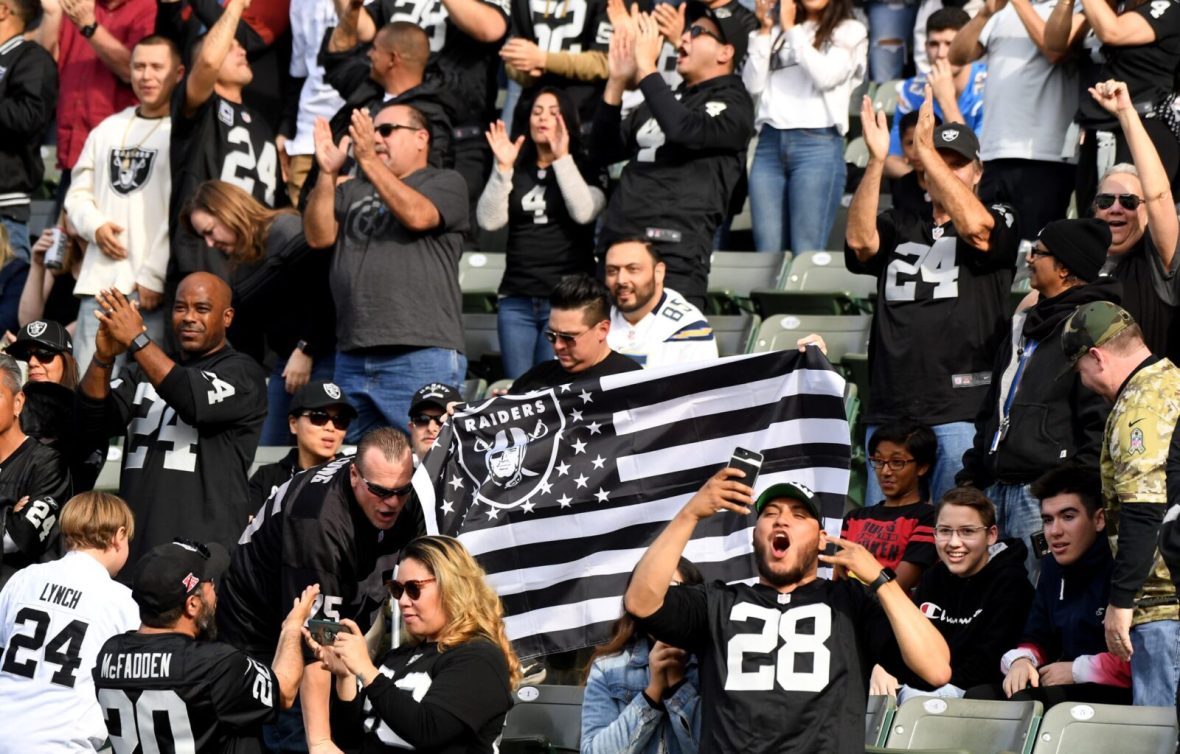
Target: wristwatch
88,30
886,575
141,342
302,345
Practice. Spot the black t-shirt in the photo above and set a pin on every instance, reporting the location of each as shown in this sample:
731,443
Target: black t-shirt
187,695
467,683
1150,293
189,445
779,672
544,243
459,65
550,373
910,197
311,531
1149,70
942,310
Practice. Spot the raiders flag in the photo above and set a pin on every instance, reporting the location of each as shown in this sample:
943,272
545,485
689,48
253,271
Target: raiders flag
558,492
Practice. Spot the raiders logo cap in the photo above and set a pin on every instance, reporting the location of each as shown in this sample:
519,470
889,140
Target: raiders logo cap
320,394
40,332
169,573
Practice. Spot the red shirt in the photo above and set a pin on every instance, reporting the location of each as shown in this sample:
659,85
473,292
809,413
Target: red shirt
90,92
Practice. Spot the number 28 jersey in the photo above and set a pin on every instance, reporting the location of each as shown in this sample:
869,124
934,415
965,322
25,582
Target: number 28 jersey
779,672
942,311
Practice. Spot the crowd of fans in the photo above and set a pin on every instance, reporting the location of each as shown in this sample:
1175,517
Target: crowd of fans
300,178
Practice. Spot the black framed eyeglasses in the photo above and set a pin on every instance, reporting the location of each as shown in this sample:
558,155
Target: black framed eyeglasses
1035,253
319,418
42,354
696,30
424,420
896,464
1130,202
385,492
387,129
412,588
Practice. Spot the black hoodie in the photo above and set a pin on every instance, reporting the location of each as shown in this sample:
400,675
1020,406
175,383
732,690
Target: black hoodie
980,616
1051,420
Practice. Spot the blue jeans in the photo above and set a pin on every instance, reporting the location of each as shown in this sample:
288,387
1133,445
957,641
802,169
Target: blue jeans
1154,663
520,321
953,441
18,238
795,186
380,386
889,21
276,430
1018,514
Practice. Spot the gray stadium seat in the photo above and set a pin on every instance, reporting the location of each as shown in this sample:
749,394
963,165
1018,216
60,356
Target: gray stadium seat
544,719
817,283
857,152
1101,728
885,98
504,385
472,389
480,336
878,714
981,727
733,331
40,217
842,334
479,279
734,274
268,454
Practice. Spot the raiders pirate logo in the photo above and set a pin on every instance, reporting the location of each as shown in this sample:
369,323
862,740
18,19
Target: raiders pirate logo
332,391
131,169
36,328
509,453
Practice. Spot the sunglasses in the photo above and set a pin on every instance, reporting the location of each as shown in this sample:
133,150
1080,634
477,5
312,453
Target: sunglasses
696,31
385,492
568,338
412,588
1035,253
424,420
387,129
320,418
1130,202
43,355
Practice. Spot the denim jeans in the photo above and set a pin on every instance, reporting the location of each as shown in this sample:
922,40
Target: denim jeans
380,385
520,321
18,238
953,441
87,329
276,430
1154,657
796,182
1018,514
889,20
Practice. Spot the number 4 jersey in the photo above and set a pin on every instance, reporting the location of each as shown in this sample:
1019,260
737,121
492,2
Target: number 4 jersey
942,311
170,692
779,672
54,618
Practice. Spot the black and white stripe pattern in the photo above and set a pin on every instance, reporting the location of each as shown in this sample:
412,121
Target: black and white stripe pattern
612,462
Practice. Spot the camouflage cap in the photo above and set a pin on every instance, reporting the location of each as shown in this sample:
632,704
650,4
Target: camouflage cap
1090,326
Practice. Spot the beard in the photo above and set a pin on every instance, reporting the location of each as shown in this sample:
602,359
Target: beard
643,296
206,622
785,576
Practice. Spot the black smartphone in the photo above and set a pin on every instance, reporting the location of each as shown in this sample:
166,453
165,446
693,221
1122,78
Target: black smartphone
748,461
1040,545
324,631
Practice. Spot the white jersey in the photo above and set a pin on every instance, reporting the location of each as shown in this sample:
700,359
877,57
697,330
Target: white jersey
123,176
675,332
54,618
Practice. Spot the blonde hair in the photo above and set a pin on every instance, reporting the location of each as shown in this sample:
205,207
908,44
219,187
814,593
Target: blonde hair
93,519
249,220
472,608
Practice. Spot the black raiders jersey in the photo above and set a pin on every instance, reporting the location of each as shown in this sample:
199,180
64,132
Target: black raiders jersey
779,672
567,26
188,447
311,530
546,243
942,312
170,692
460,65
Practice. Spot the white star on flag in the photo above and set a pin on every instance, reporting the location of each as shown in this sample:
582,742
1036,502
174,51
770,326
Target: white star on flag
594,427
598,462
579,447
565,501
528,507
565,388
602,495
563,468
456,482
581,480
492,513
448,506
575,415
585,397
545,488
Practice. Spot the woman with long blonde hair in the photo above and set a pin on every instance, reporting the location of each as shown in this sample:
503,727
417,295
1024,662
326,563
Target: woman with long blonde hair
451,689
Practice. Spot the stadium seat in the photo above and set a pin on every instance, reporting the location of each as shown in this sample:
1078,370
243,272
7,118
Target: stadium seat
885,98
734,274
878,714
857,152
472,389
108,475
479,279
817,283
498,385
856,368
40,216
733,331
981,727
1102,728
268,454
480,336
842,334
544,719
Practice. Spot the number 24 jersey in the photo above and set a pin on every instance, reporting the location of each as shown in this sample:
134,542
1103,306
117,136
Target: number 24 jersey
779,672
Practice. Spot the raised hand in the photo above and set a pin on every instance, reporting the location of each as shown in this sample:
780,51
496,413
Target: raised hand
505,150
560,142
364,138
875,129
787,10
763,12
924,129
942,81
854,557
621,55
648,44
1112,95
723,492
670,20
524,55
328,155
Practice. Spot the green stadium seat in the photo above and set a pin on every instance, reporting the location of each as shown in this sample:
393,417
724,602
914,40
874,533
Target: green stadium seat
472,389
1103,728
817,283
878,714
857,152
480,336
842,334
981,727
479,279
733,274
734,331
856,366
491,390
885,98
544,719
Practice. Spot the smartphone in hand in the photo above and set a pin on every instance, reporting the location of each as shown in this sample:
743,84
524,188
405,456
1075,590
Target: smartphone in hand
748,461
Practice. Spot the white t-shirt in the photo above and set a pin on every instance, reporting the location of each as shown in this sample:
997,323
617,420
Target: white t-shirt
1028,102
54,618
309,20
675,332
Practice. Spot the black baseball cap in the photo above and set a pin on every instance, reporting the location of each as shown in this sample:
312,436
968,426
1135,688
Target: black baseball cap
41,332
957,138
792,490
171,572
320,394
435,394
730,27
